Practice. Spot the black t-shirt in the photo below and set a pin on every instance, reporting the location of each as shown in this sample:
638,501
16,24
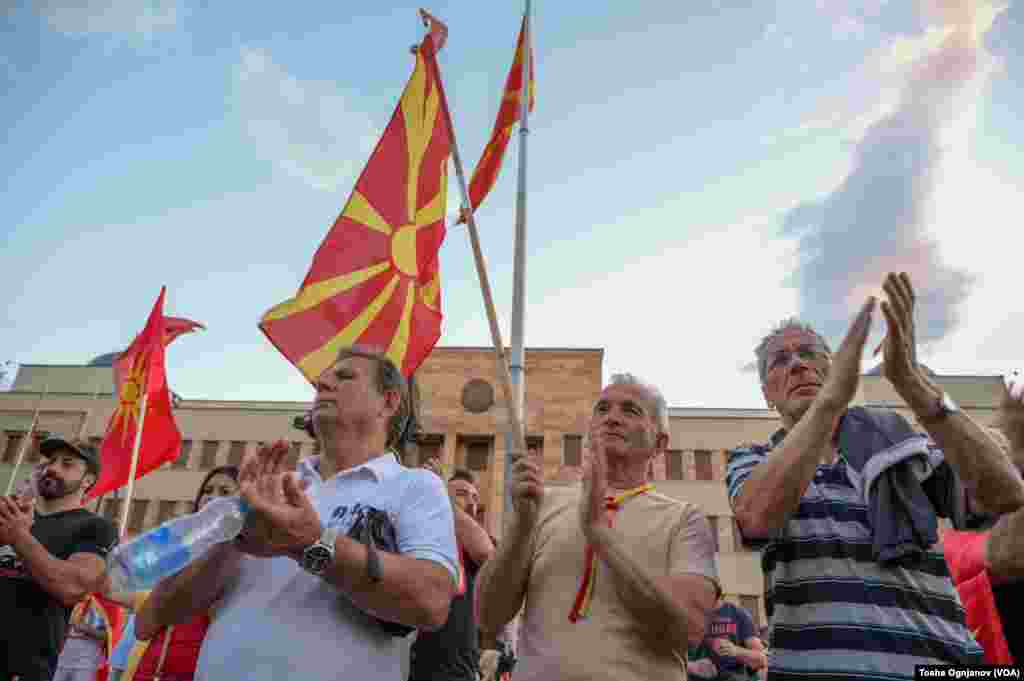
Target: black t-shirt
1009,597
34,622
732,623
452,653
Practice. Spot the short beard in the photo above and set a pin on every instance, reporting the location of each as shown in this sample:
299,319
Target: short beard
62,488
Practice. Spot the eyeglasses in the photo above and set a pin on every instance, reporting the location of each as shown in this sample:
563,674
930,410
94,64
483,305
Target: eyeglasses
783,359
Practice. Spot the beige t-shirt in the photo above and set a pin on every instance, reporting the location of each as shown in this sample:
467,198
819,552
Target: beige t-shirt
666,536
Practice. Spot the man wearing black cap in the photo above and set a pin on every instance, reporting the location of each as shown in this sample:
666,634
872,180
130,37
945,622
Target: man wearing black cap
49,561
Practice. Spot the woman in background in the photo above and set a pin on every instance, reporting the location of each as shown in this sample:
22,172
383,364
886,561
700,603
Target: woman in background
170,653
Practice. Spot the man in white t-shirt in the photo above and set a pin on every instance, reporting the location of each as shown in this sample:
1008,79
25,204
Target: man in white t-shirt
299,598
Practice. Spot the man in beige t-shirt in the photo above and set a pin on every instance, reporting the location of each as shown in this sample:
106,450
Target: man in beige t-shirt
616,578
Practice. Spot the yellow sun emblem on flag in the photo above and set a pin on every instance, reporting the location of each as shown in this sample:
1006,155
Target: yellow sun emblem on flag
375,280
130,396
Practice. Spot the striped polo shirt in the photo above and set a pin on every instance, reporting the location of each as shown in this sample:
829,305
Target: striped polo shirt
835,612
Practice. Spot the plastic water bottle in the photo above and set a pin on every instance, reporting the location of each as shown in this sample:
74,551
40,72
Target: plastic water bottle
164,551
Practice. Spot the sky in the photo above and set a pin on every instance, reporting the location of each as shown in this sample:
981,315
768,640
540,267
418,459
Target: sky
697,172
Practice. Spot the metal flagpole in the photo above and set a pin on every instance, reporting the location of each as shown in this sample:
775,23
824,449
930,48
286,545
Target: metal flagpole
516,368
135,460
28,439
515,423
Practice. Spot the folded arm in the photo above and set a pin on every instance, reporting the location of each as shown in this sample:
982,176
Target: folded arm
68,581
671,608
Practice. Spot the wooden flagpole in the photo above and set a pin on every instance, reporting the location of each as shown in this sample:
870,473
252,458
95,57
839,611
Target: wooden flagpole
135,460
515,421
28,439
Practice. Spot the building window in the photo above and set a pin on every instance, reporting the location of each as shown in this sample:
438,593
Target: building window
752,605
674,465
112,511
168,510
236,453
186,451
429,446
478,452
702,464
572,450
33,455
535,442
137,515
209,458
294,454
13,445
713,521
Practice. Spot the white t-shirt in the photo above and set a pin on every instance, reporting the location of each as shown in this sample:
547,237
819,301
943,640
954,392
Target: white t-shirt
280,622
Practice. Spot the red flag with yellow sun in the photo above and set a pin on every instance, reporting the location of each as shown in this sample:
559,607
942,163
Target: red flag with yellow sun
139,371
375,279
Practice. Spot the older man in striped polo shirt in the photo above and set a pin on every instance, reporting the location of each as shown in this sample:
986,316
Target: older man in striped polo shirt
844,603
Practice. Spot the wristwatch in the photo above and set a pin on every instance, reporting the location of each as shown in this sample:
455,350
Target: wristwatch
319,556
944,406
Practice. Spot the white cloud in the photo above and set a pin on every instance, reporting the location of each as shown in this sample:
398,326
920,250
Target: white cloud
139,18
308,128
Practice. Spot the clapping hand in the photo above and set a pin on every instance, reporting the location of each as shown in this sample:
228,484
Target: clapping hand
1011,412
281,518
844,376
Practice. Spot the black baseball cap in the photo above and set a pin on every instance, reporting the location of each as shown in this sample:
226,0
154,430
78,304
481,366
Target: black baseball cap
82,450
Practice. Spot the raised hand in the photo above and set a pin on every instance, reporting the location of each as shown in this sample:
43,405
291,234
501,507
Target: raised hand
844,375
1010,419
281,518
900,346
595,487
527,487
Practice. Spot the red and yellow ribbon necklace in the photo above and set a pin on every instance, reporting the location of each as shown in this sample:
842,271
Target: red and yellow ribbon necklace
585,595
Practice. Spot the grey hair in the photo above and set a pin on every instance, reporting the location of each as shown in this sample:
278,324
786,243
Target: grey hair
793,323
388,378
660,405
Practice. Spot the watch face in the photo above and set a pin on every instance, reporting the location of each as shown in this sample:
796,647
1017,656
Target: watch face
317,558
948,404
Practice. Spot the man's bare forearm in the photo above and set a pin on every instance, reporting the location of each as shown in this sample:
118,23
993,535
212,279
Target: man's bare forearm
68,581
472,537
411,591
191,591
772,493
1005,548
501,583
988,474
665,619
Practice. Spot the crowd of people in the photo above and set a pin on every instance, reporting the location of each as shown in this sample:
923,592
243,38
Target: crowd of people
358,566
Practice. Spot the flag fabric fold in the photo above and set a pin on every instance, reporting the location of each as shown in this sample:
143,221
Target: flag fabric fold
489,166
375,279
139,371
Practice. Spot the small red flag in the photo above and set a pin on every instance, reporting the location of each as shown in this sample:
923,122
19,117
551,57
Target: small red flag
139,371
177,326
487,168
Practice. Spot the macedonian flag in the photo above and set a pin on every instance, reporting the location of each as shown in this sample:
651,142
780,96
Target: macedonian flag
139,373
375,280
487,168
